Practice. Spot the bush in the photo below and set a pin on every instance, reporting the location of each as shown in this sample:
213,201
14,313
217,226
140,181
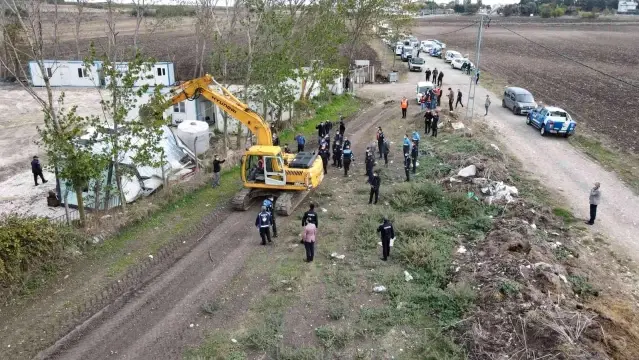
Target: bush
28,244
558,12
410,196
430,253
588,15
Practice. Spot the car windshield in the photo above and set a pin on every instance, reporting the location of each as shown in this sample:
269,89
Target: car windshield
526,98
418,61
423,89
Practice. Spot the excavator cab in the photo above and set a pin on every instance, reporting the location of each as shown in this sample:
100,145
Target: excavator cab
263,167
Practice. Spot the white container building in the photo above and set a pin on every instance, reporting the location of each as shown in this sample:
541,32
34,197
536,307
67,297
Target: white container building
66,73
161,73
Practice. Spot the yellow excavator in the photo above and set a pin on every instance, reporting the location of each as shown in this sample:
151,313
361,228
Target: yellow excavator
266,170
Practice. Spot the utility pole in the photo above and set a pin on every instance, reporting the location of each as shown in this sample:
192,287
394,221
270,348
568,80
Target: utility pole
470,105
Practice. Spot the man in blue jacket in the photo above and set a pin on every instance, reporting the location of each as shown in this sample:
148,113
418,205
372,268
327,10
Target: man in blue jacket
416,138
406,145
301,140
36,169
263,223
269,203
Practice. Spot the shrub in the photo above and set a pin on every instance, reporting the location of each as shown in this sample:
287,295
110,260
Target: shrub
449,304
457,206
558,12
411,196
588,15
30,243
431,253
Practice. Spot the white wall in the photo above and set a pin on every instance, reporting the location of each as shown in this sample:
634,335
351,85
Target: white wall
161,73
65,73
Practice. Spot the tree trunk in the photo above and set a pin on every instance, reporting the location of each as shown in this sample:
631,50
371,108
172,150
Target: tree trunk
118,180
78,196
66,205
96,191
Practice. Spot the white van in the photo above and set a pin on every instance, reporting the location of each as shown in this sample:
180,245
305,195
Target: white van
407,53
398,48
452,54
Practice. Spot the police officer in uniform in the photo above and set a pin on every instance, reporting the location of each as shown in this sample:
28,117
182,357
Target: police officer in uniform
324,154
263,222
347,143
370,163
413,154
337,154
375,183
386,151
310,217
347,157
387,233
269,204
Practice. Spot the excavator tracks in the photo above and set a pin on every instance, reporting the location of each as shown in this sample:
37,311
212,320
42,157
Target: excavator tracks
285,201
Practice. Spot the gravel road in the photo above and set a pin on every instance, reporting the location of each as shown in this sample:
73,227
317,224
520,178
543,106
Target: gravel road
552,160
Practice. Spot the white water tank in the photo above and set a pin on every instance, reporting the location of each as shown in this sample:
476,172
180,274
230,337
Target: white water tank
195,135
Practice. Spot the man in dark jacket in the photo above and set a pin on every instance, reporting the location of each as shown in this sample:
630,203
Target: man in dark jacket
413,154
428,118
440,78
320,131
337,154
459,99
427,73
263,223
451,98
386,151
387,233
375,183
36,169
407,166
435,123
435,73
347,143
380,140
310,216
370,163
342,126
347,157
216,170
269,205
325,155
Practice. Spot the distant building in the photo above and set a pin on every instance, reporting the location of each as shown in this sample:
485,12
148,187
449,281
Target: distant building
627,7
65,73
70,73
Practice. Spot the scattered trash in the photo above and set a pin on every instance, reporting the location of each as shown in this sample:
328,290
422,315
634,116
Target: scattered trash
495,147
455,180
234,341
461,250
324,210
392,242
533,226
497,191
150,256
338,256
457,269
554,234
191,325
407,276
289,289
66,277
457,125
471,195
563,278
468,171
379,289
105,216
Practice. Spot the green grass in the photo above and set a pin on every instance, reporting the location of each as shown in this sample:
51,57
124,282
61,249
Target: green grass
163,226
565,214
345,105
624,164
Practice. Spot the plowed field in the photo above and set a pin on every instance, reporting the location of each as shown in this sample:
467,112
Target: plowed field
598,102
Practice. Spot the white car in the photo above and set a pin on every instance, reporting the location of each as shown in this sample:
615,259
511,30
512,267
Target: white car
426,45
458,62
422,88
416,64
441,44
398,49
452,54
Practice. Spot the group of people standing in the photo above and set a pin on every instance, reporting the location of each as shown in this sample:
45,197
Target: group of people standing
438,76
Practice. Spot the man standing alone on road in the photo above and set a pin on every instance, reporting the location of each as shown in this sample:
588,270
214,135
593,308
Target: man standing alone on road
440,78
435,73
433,126
36,169
387,233
451,99
427,74
459,99
263,222
487,104
375,183
595,196
216,170
404,106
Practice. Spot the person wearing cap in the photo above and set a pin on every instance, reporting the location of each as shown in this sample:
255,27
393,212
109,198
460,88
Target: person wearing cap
380,140
407,166
347,157
216,170
325,155
269,204
387,233
36,169
376,181
263,223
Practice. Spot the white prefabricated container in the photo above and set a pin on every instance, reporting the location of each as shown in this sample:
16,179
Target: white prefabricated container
195,135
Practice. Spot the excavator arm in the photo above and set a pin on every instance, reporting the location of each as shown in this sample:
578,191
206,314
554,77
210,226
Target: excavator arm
190,90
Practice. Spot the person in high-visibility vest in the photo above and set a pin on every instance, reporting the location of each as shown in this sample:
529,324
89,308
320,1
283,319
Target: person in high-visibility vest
404,107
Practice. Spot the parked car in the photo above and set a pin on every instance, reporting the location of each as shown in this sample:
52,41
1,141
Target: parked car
426,45
436,52
551,120
452,54
441,44
519,100
457,63
422,88
407,53
398,49
416,64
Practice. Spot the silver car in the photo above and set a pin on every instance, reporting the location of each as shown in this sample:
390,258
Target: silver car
519,100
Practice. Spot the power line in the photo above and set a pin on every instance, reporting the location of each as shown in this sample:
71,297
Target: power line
460,29
571,59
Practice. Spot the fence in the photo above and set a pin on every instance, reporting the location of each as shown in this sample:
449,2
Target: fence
74,214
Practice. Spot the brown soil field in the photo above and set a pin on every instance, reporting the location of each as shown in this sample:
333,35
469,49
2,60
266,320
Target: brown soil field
599,103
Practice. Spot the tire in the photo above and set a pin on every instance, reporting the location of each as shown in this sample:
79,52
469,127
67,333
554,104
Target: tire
542,130
516,110
503,103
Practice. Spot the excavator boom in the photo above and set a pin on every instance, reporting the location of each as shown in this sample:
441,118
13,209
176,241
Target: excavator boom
230,104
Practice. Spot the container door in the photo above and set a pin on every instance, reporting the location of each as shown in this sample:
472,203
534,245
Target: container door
274,171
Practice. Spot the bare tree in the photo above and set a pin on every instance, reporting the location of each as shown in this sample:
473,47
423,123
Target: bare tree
141,8
79,5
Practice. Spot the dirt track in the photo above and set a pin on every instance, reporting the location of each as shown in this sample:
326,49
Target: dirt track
155,322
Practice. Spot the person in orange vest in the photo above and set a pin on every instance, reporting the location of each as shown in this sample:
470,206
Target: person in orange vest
404,107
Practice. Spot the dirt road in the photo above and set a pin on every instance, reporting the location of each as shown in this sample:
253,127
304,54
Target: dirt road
552,160
155,323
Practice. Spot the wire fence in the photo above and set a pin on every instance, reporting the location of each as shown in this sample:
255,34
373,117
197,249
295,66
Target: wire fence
74,213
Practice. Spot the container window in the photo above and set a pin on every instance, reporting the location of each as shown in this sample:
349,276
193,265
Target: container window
83,72
179,108
161,71
49,73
